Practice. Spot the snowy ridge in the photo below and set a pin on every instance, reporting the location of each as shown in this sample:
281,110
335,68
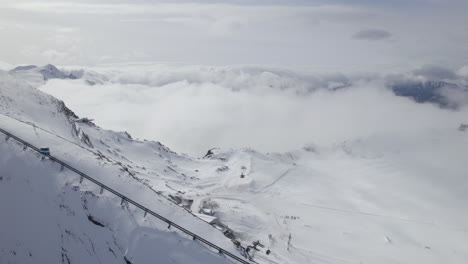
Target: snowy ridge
127,199
48,71
35,75
66,222
24,110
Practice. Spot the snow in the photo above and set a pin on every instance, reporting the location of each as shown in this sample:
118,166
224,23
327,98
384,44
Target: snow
206,218
384,198
36,76
50,205
45,220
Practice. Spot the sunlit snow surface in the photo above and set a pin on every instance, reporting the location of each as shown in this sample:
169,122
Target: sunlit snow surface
386,197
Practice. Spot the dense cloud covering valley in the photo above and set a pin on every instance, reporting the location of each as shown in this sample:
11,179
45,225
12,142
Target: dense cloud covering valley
195,108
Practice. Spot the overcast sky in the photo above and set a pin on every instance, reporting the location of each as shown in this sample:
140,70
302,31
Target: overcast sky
360,33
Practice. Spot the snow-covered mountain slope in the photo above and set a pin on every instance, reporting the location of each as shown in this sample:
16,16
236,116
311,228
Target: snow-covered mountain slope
358,202
386,198
78,224
48,217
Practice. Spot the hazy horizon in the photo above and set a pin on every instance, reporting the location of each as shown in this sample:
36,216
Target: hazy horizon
352,34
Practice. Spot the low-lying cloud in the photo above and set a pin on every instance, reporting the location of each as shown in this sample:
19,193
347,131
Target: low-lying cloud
372,34
434,71
192,108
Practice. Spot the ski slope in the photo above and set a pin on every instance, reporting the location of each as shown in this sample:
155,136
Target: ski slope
342,207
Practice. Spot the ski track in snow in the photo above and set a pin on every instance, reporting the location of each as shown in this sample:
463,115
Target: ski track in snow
278,179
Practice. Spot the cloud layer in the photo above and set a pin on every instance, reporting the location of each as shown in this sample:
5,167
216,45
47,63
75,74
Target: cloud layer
234,32
194,108
372,34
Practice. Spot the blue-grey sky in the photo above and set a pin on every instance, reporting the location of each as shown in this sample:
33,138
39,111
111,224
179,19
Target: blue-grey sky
337,33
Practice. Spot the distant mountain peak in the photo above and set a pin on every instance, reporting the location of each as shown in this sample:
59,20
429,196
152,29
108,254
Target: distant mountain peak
49,71
23,68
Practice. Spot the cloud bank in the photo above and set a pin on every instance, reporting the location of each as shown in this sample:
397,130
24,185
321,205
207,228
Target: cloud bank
372,34
194,108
